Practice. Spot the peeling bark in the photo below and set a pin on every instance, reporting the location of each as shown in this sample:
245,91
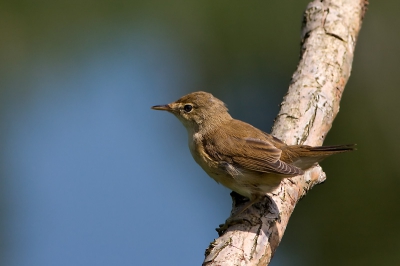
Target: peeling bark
329,34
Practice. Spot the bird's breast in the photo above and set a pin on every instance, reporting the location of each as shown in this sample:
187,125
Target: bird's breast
198,152
209,165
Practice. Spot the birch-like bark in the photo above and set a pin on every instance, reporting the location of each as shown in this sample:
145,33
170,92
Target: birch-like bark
329,34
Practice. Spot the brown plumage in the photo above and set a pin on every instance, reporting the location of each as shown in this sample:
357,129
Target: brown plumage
238,155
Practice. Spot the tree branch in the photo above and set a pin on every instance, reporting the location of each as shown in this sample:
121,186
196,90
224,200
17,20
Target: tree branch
329,34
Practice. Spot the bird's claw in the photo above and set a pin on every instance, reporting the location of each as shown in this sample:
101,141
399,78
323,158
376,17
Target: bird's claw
230,222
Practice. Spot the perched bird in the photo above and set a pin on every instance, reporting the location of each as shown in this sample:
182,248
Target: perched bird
238,155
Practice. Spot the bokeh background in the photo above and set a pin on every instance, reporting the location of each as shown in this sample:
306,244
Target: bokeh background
89,175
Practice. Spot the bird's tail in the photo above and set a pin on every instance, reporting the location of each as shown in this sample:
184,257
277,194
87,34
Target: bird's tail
308,156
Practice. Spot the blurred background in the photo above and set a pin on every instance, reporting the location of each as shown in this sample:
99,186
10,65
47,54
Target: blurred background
90,175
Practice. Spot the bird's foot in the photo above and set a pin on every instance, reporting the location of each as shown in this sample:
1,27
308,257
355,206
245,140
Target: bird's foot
231,221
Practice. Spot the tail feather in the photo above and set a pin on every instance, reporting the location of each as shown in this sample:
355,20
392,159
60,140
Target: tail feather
307,156
334,149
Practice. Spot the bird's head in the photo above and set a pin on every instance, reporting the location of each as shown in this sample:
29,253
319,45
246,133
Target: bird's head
197,110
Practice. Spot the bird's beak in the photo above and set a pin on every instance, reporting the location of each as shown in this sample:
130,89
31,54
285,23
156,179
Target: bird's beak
162,107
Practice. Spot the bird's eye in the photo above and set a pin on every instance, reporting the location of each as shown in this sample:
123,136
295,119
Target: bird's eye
187,108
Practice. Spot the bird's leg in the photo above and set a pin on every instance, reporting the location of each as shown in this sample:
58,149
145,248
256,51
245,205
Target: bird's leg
232,220
245,207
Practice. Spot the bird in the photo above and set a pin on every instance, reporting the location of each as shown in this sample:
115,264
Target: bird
238,155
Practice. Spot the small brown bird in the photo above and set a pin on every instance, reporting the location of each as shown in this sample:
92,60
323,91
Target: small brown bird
238,155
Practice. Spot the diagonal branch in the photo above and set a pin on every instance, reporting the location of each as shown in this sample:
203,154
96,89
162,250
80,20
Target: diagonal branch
329,34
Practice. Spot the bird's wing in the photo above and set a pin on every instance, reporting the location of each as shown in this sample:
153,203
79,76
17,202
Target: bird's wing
250,153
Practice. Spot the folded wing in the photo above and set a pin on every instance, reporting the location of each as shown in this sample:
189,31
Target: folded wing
249,153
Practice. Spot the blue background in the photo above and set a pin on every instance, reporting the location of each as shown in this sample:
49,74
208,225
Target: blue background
90,175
